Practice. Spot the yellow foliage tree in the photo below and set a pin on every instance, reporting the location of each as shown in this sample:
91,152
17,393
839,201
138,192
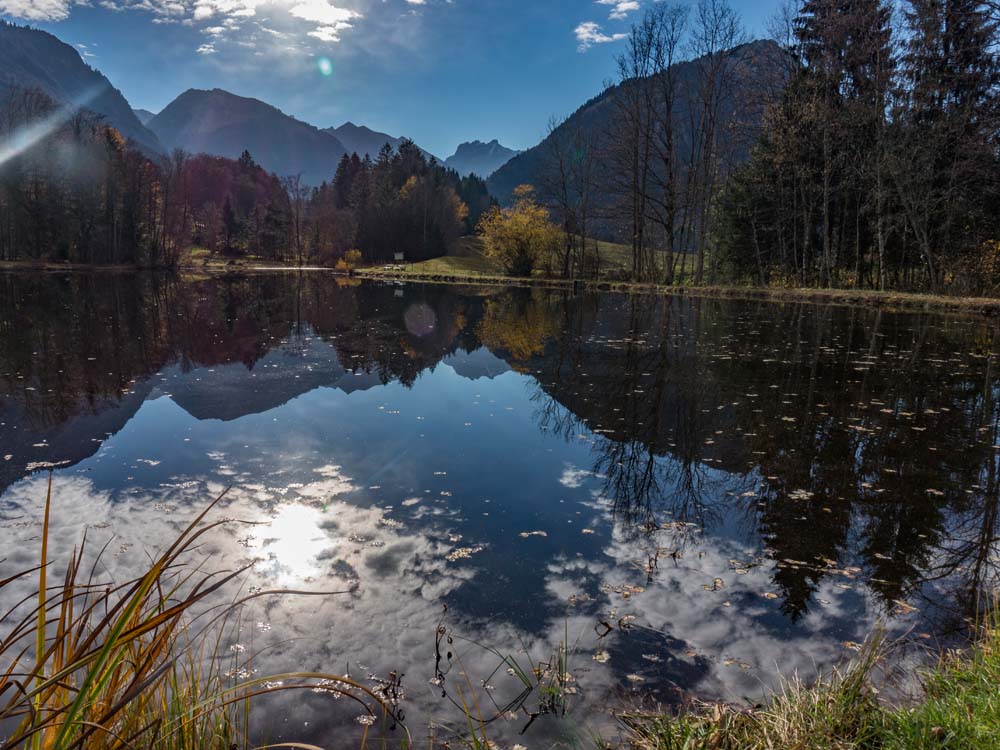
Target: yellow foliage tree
351,260
520,238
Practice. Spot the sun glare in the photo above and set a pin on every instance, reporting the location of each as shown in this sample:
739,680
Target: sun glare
293,542
26,136
325,66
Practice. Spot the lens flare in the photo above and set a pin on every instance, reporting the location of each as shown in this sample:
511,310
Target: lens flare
26,136
420,320
325,66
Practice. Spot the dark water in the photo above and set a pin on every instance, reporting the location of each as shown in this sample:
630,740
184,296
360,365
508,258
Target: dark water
693,494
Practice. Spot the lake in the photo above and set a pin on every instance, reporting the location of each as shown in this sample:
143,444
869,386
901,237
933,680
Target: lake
681,497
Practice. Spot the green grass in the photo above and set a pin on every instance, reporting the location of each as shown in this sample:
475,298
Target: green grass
961,705
448,265
467,260
959,709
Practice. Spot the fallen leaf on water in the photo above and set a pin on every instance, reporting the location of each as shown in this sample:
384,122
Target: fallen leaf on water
463,552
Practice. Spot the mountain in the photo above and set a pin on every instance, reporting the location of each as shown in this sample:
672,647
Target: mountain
222,124
480,158
144,115
757,67
33,59
361,140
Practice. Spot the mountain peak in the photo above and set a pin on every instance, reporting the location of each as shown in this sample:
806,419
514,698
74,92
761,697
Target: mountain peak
221,123
477,157
361,139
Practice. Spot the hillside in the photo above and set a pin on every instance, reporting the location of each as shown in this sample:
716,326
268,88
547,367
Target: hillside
222,124
758,63
33,59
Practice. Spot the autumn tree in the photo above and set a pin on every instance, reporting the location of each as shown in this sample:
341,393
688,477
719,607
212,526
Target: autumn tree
521,238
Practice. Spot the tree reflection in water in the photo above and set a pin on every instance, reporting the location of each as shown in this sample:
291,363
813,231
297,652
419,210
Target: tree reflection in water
838,444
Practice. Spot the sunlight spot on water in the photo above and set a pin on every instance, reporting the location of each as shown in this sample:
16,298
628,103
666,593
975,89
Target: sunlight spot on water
293,542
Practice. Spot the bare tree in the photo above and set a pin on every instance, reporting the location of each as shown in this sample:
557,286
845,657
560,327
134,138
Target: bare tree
717,32
568,185
631,143
668,24
297,194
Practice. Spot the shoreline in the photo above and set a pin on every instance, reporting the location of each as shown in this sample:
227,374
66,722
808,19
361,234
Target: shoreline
889,300
893,301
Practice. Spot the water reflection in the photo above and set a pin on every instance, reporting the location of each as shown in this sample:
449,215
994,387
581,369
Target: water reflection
695,492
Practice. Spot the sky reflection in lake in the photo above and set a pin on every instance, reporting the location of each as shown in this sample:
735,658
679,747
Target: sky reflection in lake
699,493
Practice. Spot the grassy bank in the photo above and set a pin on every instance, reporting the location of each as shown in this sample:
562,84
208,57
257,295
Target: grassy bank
959,709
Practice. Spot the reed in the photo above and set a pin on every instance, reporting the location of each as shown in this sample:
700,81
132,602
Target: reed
93,664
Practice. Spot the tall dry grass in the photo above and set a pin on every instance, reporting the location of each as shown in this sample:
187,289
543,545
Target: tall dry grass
89,663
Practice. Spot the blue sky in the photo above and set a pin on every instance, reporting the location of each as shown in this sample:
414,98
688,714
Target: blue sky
438,71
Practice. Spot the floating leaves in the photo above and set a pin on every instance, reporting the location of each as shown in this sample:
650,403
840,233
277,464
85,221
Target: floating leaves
625,590
463,553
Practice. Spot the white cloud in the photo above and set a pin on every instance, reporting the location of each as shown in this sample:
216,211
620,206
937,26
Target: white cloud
620,8
324,12
36,10
329,33
589,33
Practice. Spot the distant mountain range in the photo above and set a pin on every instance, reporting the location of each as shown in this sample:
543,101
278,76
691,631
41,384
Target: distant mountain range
362,140
482,159
220,123
223,124
33,59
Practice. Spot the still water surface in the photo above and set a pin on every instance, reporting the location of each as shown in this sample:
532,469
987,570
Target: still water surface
696,495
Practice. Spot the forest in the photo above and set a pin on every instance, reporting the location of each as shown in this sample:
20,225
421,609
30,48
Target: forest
858,149
76,191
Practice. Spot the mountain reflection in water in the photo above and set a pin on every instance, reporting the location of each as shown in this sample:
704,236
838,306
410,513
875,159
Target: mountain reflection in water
700,493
